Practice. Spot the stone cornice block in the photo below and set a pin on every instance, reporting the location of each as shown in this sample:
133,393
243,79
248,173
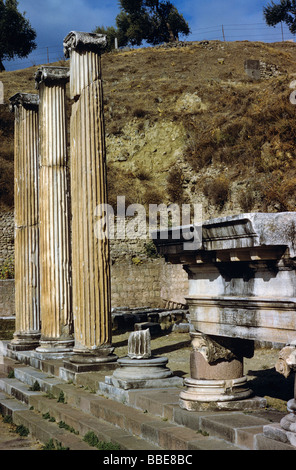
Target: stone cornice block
80,41
27,100
51,75
243,231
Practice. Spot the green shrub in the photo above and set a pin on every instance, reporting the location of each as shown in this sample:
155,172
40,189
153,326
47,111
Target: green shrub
92,439
217,190
35,387
22,430
54,445
61,398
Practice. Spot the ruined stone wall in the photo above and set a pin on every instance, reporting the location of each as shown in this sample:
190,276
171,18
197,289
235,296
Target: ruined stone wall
7,298
151,283
6,236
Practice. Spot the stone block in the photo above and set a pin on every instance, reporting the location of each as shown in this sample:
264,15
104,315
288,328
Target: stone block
252,69
267,443
246,436
276,432
225,425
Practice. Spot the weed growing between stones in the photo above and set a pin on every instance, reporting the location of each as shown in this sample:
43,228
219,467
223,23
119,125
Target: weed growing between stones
92,440
22,430
63,425
35,387
7,419
61,398
50,418
54,445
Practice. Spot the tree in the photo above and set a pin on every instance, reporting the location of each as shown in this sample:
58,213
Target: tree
111,33
285,12
17,38
154,21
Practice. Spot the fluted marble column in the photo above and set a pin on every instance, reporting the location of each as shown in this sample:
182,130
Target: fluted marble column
27,287
55,263
90,255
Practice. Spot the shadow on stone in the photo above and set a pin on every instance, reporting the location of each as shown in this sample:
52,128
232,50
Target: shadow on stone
270,383
172,347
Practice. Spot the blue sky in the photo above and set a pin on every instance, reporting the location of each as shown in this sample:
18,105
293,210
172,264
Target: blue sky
54,19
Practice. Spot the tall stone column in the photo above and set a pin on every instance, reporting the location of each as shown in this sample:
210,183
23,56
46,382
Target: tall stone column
55,300
90,253
27,287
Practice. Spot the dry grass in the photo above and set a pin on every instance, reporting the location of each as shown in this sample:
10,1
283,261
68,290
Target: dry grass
245,127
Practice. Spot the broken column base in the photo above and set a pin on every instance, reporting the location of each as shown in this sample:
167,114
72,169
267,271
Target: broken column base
214,395
136,374
144,373
54,349
85,360
94,366
24,341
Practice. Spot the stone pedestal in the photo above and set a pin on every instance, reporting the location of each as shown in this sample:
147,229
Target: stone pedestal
139,370
90,260
216,373
143,373
27,285
55,300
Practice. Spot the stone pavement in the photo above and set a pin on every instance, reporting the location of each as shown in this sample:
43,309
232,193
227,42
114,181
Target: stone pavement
149,420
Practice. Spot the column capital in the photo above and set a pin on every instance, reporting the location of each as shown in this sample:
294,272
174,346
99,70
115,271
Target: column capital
80,41
51,75
27,100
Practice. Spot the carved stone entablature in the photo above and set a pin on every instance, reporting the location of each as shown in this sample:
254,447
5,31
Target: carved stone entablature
245,237
242,276
241,272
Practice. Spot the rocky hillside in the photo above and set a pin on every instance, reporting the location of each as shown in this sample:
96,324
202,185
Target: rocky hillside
187,124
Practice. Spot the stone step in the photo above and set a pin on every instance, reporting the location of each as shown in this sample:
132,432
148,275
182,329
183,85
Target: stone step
31,376
83,423
152,419
241,429
39,429
131,428
17,389
34,407
156,430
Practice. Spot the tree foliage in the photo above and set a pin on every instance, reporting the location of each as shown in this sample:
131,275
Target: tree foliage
285,12
111,33
17,38
153,21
